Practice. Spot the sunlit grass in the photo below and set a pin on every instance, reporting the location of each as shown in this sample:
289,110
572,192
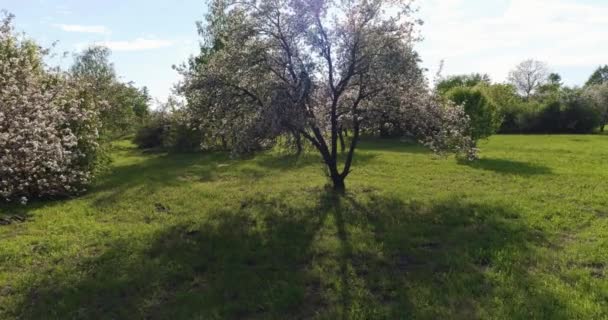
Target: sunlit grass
520,234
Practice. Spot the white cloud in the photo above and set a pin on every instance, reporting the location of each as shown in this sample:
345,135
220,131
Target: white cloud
564,33
83,29
138,44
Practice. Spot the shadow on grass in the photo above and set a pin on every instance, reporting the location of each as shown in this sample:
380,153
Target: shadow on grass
14,213
507,167
153,173
351,258
291,161
165,170
238,263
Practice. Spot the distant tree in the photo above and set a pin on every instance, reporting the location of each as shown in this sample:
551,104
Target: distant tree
484,114
141,102
126,106
465,80
528,76
554,79
597,95
93,65
129,107
599,76
313,68
551,89
578,115
501,94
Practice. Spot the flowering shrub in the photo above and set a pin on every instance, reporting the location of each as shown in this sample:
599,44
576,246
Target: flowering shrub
48,126
442,126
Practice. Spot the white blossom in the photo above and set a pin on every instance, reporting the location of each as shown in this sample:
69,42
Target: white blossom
45,124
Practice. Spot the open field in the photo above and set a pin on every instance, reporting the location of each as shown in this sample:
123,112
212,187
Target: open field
520,234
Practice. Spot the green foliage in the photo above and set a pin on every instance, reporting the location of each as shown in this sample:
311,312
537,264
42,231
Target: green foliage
465,80
152,134
483,112
507,101
181,136
551,90
571,113
126,106
94,65
597,96
169,129
579,116
553,109
519,234
599,76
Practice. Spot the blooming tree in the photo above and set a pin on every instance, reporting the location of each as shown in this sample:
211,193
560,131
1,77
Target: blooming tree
48,127
597,95
311,69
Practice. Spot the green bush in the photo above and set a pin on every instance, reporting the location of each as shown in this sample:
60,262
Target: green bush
578,116
566,115
150,135
463,80
483,112
169,131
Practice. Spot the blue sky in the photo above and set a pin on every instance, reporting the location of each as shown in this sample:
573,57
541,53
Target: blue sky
491,36
146,36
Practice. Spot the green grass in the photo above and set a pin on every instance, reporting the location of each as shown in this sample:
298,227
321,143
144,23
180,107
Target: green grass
520,234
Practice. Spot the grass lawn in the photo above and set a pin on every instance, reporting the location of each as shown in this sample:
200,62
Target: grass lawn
520,234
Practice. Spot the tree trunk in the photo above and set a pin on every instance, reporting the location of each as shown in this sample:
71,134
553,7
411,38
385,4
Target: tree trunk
384,132
224,143
338,184
298,141
341,136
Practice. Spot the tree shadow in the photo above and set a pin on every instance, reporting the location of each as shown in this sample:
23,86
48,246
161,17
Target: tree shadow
153,173
371,257
163,170
15,213
505,166
291,161
238,263
438,261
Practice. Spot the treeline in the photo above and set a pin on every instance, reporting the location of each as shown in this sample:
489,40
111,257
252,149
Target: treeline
532,101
